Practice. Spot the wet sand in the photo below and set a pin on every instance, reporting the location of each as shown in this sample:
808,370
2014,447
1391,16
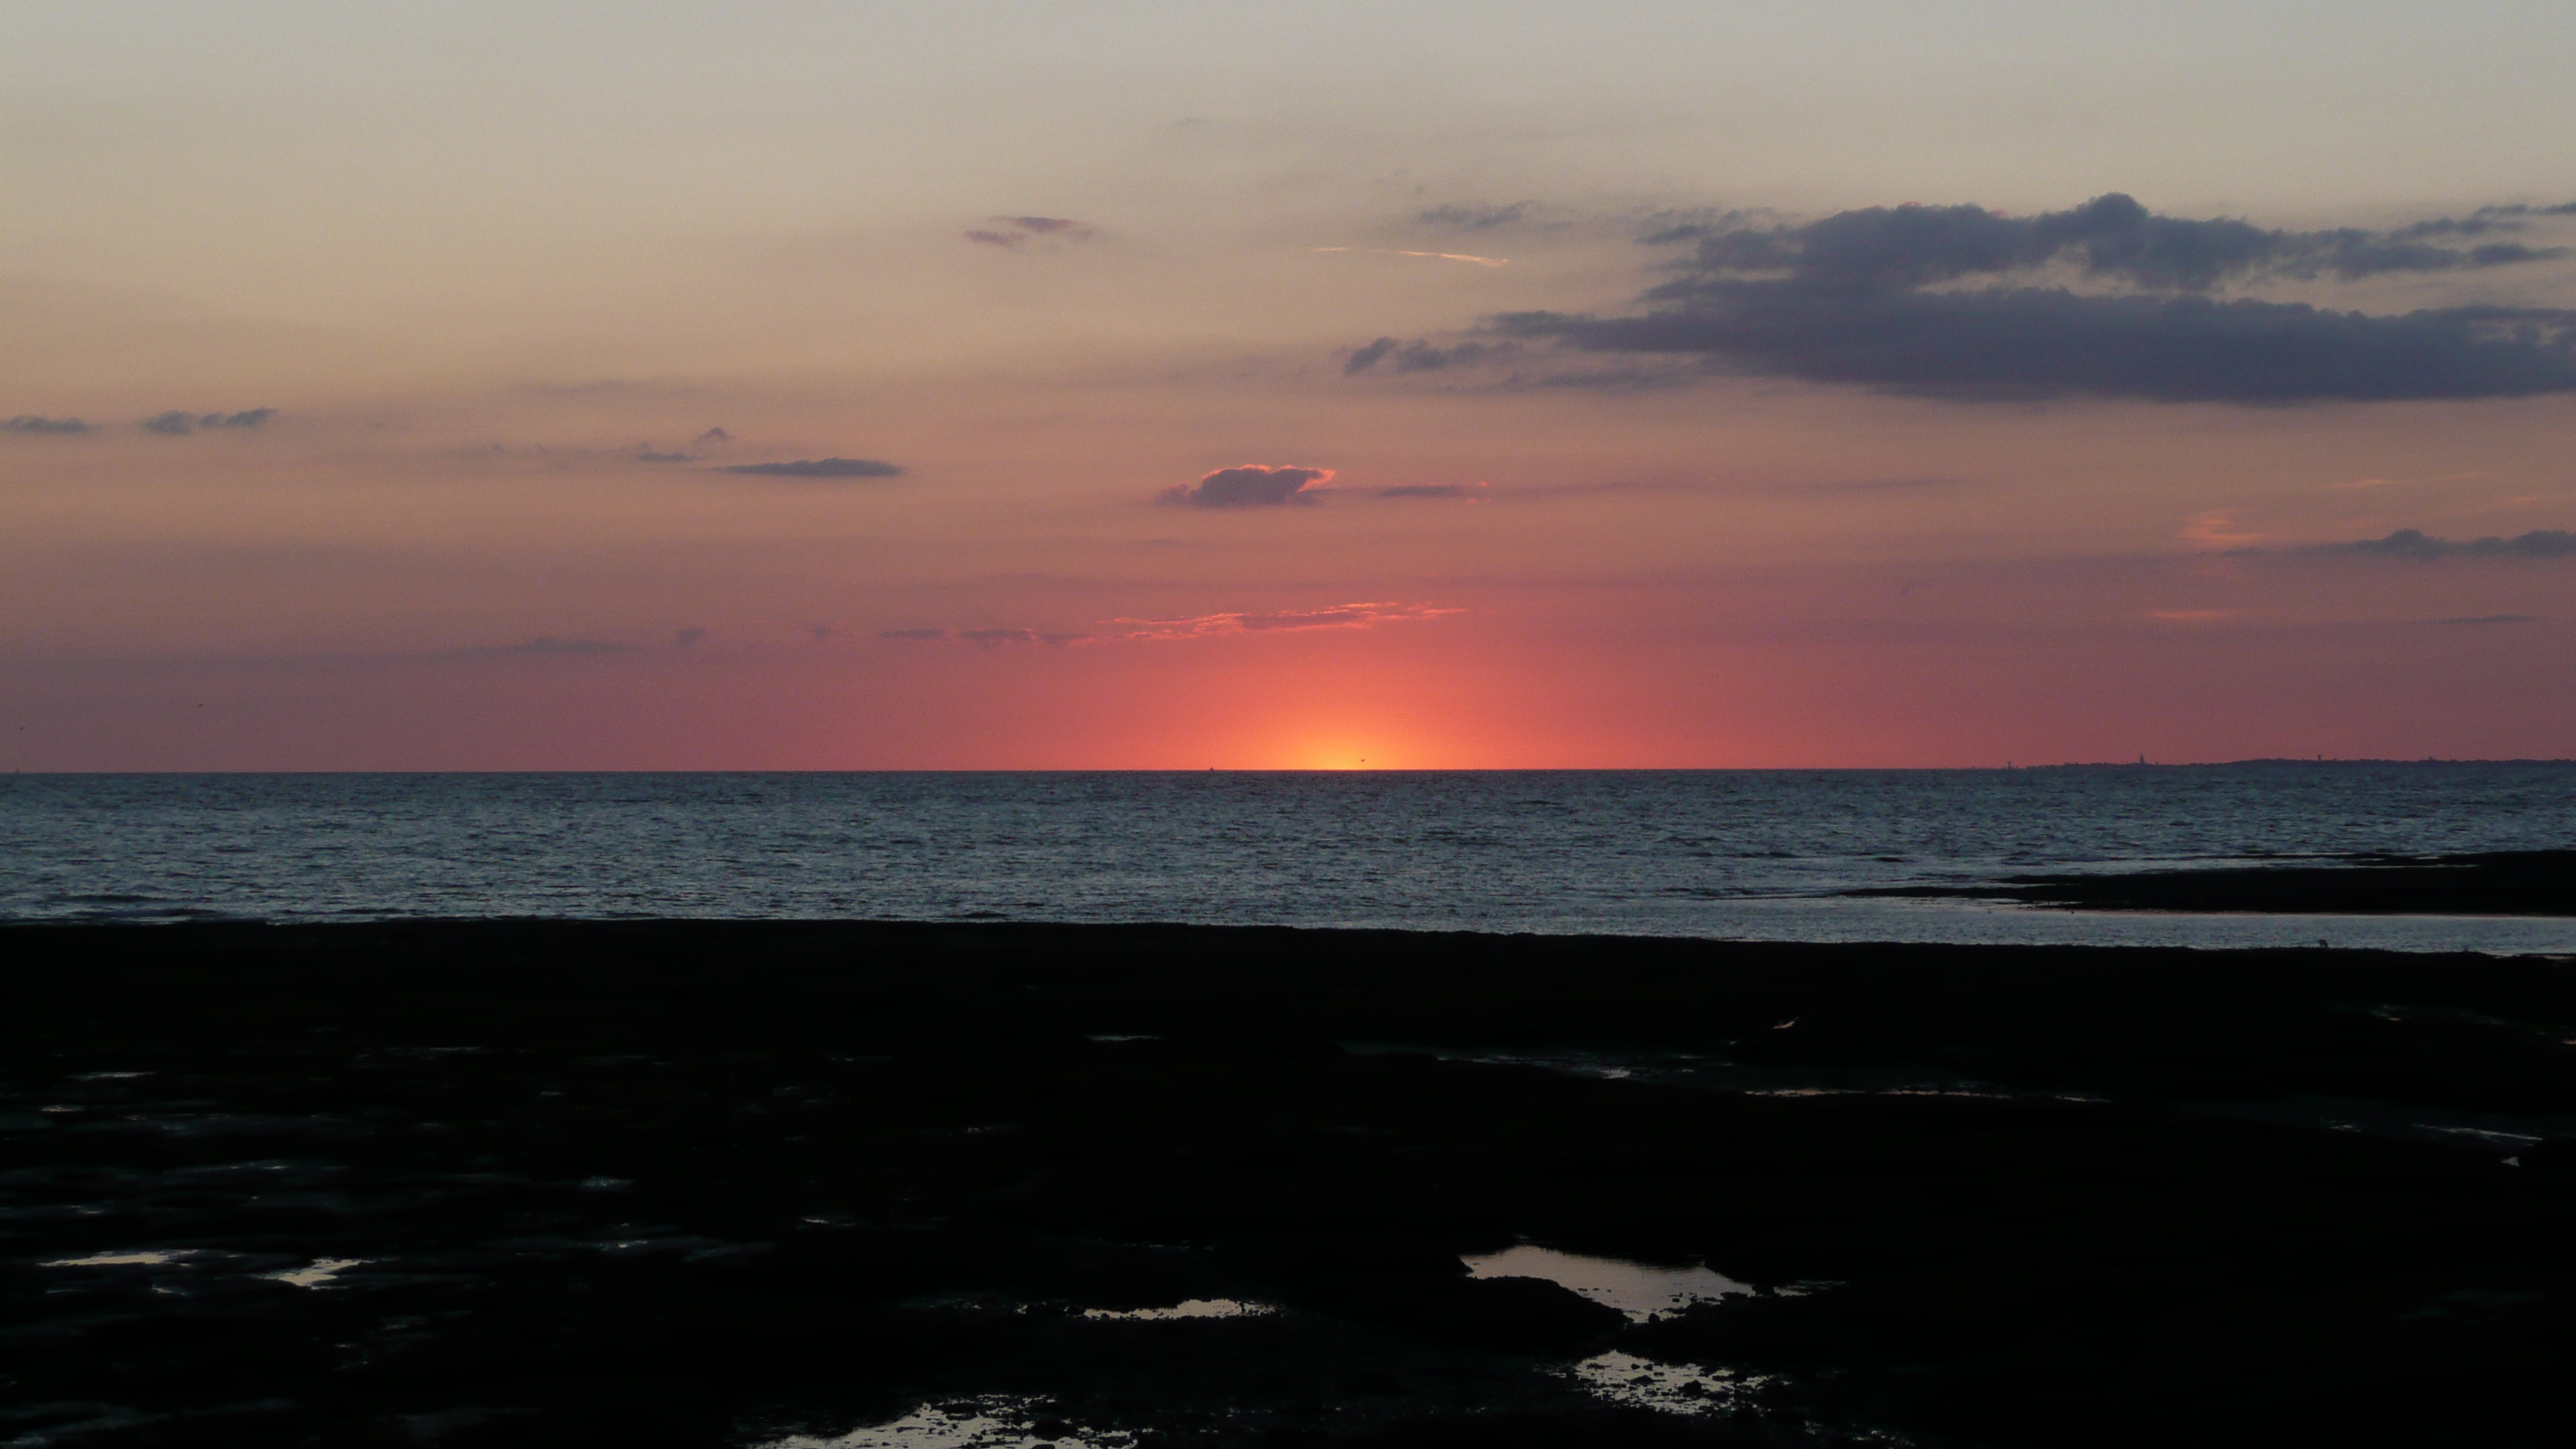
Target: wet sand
701,1183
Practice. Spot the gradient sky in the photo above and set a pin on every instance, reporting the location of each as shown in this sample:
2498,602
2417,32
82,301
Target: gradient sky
1284,385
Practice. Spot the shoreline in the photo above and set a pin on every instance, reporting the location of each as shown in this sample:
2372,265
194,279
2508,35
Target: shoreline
728,1183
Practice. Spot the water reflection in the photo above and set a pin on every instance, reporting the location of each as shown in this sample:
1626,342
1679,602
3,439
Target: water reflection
1640,1290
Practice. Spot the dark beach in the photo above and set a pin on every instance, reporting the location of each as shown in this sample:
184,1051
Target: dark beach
720,1183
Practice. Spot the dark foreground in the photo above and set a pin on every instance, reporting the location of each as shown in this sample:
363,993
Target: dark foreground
717,1184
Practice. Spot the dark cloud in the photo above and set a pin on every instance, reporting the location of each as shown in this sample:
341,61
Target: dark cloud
912,633
1946,302
1476,218
645,454
30,423
819,468
2412,543
711,438
2036,343
1252,485
1420,356
1016,231
2111,237
178,424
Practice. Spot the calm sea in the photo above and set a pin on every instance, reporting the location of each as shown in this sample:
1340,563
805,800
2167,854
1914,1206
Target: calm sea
1756,854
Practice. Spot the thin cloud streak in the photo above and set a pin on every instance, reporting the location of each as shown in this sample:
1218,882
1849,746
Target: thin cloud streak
1339,616
1428,256
818,468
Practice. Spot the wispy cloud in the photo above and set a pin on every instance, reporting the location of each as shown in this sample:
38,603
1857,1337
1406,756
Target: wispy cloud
2218,529
1191,626
1427,256
998,638
819,468
544,646
1419,355
1013,232
1453,492
178,424
1337,616
1476,218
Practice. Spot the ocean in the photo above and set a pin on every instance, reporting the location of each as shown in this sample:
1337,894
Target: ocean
1719,854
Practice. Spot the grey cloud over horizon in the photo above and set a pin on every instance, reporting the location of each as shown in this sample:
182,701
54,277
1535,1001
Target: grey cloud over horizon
544,646
2415,544
818,468
1964,304
1247,485
178,424
31,423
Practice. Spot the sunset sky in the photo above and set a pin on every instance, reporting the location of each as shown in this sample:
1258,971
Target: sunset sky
805,385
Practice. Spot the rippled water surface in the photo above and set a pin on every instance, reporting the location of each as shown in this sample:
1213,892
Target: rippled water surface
1706,853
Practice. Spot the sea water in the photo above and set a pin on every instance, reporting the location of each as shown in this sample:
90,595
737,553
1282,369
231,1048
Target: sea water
1744,854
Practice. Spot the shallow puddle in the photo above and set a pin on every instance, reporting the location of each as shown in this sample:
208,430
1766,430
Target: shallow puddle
1640,1290
1188,1308
118,1260
992,1421
1624,1378
320,1273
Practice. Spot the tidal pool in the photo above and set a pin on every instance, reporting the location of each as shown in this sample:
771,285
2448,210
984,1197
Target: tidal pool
1640,1290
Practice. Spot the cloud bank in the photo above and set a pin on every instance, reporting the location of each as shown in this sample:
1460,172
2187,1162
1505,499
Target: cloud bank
30,423
179,424
819,468
1966,304
1249,485
2411,543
